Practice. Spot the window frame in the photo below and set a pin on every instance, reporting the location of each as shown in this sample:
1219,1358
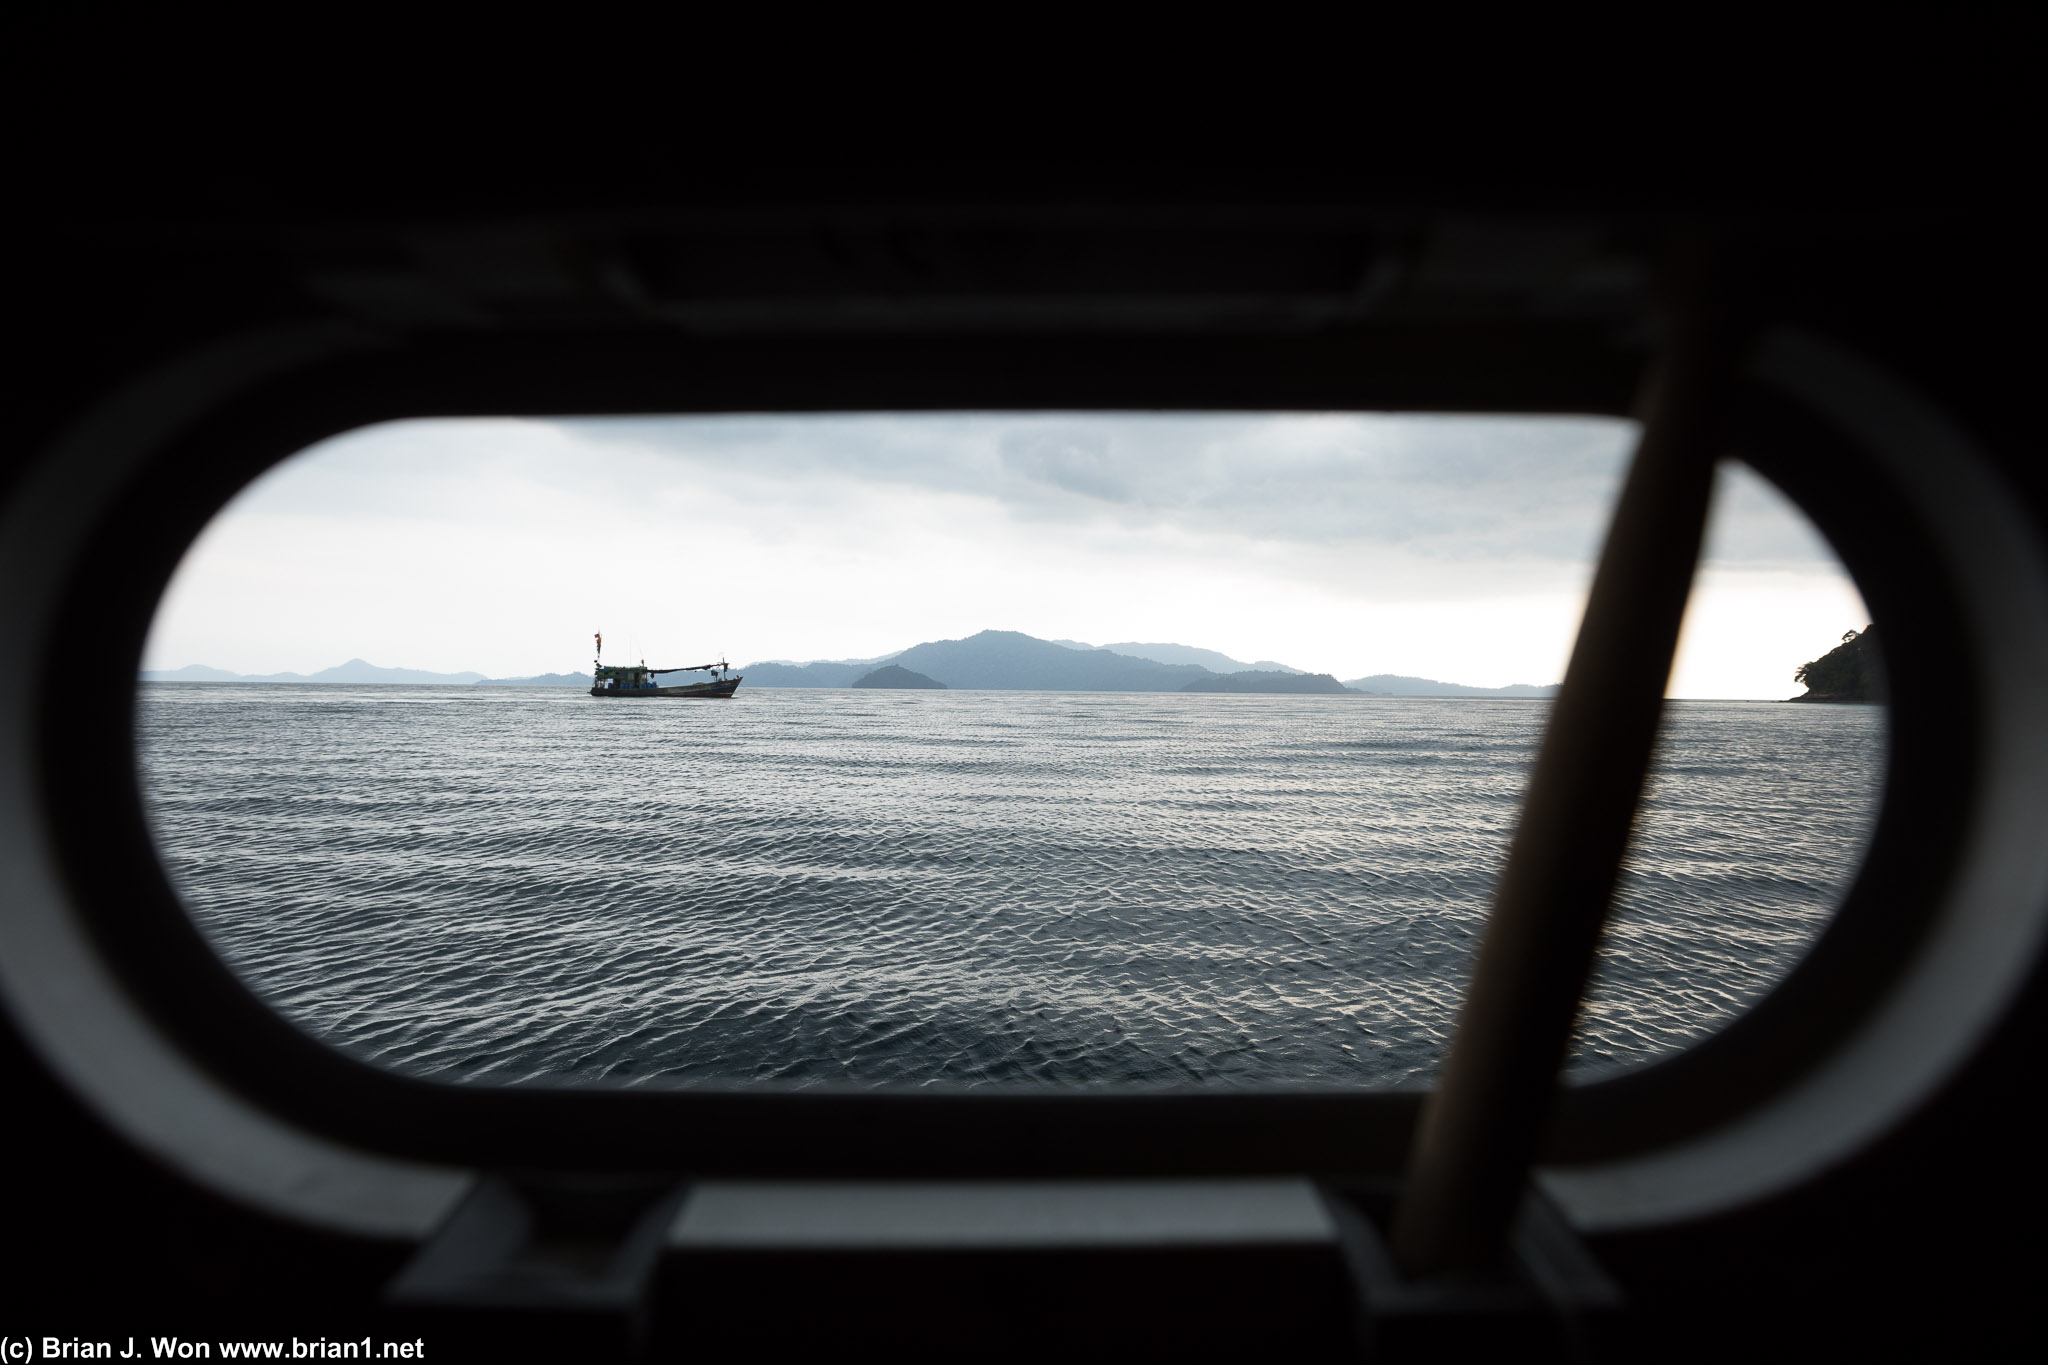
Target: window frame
187,467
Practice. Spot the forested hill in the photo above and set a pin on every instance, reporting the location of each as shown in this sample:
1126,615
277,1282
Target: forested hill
1851,671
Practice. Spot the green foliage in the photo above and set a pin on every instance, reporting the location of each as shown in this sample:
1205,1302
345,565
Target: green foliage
1851,671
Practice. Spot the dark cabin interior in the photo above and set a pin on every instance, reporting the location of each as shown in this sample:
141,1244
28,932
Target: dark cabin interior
204,308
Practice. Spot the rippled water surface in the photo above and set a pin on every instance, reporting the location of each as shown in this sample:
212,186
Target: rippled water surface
499,884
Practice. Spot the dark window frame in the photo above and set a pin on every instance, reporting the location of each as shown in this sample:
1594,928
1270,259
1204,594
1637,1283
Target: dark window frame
162,959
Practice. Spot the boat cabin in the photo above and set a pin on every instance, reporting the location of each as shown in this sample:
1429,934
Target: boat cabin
625,678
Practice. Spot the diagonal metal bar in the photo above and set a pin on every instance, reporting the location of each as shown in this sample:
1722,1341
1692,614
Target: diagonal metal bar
1480,1129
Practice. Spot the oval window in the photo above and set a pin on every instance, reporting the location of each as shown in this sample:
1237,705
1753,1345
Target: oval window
963,749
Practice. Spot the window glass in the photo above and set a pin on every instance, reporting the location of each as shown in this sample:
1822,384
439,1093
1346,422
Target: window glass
1064,748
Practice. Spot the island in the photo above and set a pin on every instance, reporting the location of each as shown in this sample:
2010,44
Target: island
1852,671
890,675
1401,685
1263,680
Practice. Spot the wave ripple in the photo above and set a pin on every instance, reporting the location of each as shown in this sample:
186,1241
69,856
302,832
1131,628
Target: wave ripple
497,885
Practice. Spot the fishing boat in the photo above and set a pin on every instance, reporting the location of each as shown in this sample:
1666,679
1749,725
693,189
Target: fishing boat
638,680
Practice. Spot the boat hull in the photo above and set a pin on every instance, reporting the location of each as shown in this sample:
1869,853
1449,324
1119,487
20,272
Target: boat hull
710,691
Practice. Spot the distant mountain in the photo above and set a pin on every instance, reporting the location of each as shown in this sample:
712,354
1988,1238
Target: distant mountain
998,660
892,675
1269,680
542,680
353,673
1397,685
192,673
1004,660
1205,658
1010,661
820,674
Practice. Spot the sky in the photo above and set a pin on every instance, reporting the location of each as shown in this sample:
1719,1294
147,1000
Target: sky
1455,548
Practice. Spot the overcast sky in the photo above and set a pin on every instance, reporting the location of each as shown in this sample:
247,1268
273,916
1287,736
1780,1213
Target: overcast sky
1450,548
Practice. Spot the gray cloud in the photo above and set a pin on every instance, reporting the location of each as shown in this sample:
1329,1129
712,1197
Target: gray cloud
1072,460
1434,489
1455,488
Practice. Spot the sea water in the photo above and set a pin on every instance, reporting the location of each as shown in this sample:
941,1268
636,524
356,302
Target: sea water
491,884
